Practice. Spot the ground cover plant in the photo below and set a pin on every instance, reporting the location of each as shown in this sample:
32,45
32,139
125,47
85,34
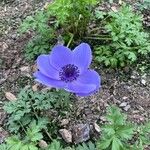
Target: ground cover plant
67,36
128,38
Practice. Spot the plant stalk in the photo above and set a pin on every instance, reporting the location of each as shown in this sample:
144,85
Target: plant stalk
70,40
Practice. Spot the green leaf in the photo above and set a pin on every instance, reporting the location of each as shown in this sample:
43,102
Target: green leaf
116,144
104,144
99,14
88,146
55,145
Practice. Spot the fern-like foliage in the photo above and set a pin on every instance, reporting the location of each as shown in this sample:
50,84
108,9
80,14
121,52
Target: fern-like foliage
28,142
44,34
29,105
117,132
88,146
127,38
64,10
143,136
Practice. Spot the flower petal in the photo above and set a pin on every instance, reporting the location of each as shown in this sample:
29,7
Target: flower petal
84,94
43,63
82,56
77,87
89,77
48,81
60,56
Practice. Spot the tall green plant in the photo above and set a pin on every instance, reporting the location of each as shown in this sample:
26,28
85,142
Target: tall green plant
72,15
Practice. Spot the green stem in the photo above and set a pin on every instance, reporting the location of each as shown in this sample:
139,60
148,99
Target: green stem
38,119
22,127
97,38
96,29
98,35
35,114
70,40
48,134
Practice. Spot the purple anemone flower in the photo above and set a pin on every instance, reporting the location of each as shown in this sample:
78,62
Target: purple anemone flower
69,70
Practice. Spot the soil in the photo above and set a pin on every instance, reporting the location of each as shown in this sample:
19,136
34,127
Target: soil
126,88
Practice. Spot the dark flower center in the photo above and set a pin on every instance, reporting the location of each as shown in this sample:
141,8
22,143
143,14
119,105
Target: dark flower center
69,73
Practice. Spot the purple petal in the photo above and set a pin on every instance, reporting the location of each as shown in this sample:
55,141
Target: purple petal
82,56
89,77
60,56
77,87
48,81
43,63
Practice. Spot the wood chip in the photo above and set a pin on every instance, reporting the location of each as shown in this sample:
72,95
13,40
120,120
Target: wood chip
10,96
35,87
96,127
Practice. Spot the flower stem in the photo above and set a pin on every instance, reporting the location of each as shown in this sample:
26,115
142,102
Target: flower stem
70,40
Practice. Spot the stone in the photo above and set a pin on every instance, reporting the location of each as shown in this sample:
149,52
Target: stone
66,135
123,104
126,108
42,144
35,87
81,133
143,81
64,122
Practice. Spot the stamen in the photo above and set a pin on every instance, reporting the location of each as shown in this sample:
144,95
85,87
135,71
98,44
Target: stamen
69,73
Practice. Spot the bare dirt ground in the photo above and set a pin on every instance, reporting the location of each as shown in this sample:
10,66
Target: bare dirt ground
126,88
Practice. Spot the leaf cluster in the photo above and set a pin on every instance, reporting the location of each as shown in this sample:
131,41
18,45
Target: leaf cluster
117,132
70,11
127,38
28,142
60,17
72,16
29,104
144,5
41,43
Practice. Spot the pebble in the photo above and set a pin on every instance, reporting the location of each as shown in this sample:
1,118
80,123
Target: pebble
81,133
42,144
126,108
143,81
66,135
64,122
123,104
